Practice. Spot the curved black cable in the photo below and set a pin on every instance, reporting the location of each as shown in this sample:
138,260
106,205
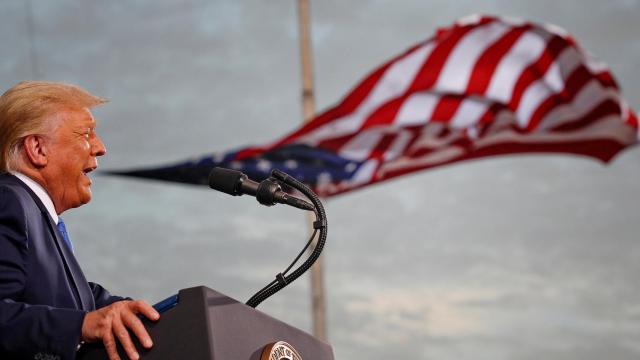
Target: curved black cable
272,283
320,225
309,242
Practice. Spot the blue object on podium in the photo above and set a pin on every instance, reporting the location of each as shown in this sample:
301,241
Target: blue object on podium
166,304
202,324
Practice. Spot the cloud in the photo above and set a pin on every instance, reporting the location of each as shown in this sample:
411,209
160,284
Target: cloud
399,316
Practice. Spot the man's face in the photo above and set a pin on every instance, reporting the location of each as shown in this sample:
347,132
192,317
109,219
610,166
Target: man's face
72,151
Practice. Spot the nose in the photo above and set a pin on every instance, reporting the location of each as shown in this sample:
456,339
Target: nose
97,146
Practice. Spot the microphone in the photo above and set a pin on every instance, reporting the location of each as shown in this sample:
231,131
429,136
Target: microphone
267,192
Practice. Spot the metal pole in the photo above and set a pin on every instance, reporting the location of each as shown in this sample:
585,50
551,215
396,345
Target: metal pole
308,100
318,306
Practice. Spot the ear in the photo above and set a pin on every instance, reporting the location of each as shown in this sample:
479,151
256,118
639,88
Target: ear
36,150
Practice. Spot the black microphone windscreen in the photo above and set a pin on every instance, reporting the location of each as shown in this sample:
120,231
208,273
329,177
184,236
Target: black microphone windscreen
225,180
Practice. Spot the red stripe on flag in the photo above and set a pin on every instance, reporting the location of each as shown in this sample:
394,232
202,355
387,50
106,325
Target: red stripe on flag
491,113
632,119
336,143
533,72
446,108
574,83
430,70
606,79
602,149
602,110
486,65
385,114
382,146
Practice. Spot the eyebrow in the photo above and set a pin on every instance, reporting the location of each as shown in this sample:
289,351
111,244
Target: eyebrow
90,123
82,127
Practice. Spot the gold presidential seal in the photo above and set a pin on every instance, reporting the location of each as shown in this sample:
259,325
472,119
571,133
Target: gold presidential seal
280,351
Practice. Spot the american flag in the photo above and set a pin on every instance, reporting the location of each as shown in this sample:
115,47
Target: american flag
484,86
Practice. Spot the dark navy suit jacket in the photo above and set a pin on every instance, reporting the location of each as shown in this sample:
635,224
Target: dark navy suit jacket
43,293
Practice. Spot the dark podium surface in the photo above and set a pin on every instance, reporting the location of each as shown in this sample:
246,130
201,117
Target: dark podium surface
208,325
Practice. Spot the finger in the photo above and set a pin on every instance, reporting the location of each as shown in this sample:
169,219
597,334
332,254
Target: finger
145,309
110,345
133,322
125,340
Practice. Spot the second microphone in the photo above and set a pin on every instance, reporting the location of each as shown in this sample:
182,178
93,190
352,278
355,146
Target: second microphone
268,192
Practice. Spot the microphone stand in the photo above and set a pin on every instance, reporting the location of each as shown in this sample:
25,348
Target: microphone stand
320,225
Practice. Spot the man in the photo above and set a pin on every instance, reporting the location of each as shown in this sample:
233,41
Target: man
48,146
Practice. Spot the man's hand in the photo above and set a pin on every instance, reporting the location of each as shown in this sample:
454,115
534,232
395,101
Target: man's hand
111,322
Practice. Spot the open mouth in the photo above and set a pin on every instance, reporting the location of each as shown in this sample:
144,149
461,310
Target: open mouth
88,170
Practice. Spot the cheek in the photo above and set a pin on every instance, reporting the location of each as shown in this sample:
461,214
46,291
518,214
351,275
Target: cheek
80,153
80,147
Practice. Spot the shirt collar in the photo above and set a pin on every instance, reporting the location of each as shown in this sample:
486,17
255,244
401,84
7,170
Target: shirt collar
40,192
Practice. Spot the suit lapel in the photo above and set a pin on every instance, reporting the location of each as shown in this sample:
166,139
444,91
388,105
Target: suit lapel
81,289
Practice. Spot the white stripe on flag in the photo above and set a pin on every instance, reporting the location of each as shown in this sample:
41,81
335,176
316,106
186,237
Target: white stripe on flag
398,146
552,82
605,128
560,70
589,96
417,109
365,173
457,70
472,19
360,146
469,112
523,53
535,94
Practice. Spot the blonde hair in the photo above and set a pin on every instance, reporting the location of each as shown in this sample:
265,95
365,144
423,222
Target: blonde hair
27,109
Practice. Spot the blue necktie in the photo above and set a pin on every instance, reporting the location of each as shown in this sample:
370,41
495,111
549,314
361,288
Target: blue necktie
65,235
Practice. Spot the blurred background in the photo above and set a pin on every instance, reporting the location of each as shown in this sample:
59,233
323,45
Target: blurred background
513,257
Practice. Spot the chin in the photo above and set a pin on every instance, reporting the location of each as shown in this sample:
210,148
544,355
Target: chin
84,197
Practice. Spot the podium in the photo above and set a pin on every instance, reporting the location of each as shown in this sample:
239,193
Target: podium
207,325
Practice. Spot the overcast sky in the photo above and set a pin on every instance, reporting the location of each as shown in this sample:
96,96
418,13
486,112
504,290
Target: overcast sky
514,258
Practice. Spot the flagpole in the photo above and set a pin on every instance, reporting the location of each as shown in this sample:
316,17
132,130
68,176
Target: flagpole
318,306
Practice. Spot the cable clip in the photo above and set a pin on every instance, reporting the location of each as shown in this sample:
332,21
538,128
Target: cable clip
319,224
281,279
